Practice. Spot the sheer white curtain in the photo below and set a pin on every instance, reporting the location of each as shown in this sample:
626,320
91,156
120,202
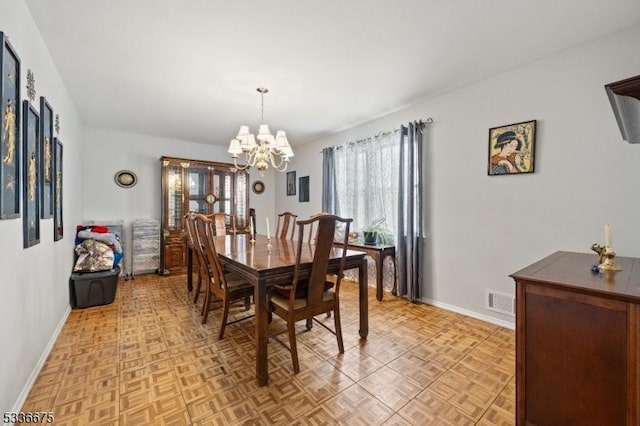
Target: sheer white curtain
367,179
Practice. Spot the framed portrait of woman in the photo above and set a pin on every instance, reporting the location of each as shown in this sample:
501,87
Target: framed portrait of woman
512,149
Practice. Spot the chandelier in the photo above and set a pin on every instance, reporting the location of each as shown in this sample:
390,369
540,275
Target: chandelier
268,150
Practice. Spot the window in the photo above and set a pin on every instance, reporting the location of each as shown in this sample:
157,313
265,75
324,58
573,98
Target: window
367,180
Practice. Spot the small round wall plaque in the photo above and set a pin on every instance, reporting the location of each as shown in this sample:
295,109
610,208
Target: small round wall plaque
126,178
258,187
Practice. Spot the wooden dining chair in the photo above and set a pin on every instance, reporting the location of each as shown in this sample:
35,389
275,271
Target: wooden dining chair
190,224
226,288
223,223
310,296
286,222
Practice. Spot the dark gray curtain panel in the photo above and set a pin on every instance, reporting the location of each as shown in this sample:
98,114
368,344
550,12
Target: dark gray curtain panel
408,253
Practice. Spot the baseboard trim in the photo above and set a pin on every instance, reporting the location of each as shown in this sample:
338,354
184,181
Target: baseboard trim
38,367
486,318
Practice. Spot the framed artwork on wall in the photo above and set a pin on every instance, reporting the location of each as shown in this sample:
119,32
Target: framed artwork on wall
58,229
125,179
304,189
46,158
258,187
512,148
10,116
291,183
30,172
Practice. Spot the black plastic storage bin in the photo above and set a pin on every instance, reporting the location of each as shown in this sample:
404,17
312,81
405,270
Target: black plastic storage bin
93,288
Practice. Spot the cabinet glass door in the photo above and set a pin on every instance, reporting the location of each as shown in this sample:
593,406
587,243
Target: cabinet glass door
201,197
174,197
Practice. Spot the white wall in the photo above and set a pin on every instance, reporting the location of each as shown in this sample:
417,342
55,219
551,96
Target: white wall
106,152
481,228
35,295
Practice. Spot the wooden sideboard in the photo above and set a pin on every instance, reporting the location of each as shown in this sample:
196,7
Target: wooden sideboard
577,342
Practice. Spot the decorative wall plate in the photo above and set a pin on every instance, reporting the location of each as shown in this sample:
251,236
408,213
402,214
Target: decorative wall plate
258,187
126,178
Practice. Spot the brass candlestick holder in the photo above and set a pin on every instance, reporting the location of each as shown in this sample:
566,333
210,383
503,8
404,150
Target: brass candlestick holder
607,256
252,240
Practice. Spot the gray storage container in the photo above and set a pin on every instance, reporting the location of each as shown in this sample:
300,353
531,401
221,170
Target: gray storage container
93,288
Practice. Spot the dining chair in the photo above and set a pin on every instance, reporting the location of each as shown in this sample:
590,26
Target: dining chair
309,231
223,223
190,224
307,297
286,220
225,287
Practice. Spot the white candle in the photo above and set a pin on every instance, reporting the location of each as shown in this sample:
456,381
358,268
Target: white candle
268,232
250,227
607,235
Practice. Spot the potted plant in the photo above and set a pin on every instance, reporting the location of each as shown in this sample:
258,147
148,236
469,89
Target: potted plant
374,231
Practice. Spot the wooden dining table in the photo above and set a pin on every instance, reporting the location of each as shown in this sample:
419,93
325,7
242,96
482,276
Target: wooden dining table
265,266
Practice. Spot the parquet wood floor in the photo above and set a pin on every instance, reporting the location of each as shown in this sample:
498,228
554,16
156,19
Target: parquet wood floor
146,359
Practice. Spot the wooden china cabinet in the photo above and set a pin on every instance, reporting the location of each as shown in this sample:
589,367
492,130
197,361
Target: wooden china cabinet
203,187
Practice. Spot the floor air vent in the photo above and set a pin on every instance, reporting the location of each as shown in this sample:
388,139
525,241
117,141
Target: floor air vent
500,302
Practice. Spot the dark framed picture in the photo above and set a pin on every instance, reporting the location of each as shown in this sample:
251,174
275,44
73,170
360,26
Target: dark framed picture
304,189
258,187
125,179
10,116
58,229
291,183
46,158
31,169
512,148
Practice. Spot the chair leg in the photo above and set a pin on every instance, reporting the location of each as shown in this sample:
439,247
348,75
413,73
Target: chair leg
205,306
225,314
294,347
336,319
247,302
309,323
198,285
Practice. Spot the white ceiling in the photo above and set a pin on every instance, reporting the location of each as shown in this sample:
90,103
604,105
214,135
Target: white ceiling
188,69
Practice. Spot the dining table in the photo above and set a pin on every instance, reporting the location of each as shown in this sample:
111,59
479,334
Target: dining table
265,262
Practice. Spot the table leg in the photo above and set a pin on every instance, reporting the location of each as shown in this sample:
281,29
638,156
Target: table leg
260,300
378,259
189,268
394,290
364,299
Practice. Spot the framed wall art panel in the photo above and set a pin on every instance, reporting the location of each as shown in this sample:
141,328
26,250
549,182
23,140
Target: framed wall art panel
9,131
30,167
58,229
46,158
512,148
291,183
303,195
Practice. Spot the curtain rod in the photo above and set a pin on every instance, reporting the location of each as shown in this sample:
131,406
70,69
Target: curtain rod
427,120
